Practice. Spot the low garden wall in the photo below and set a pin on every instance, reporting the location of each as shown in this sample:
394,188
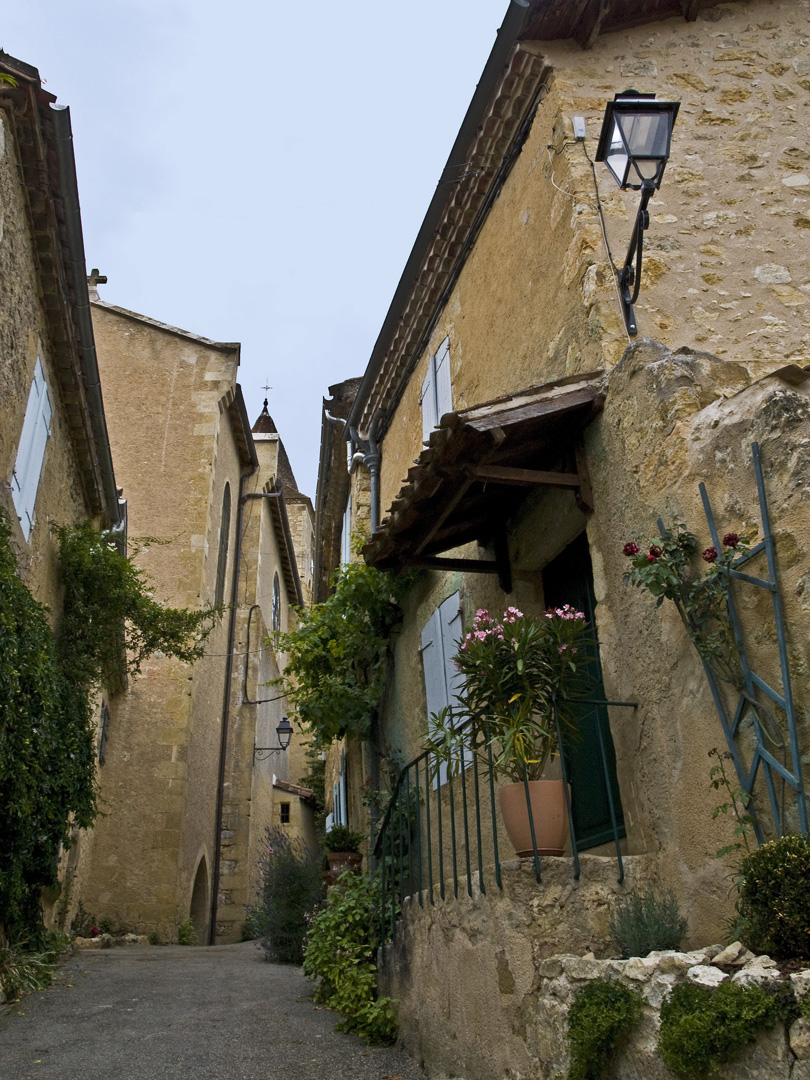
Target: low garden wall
484,984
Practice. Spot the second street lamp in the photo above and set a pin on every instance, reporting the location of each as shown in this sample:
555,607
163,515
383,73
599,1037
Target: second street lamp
634,144
284,733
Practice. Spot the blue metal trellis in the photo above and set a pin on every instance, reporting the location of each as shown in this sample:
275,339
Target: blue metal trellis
762,757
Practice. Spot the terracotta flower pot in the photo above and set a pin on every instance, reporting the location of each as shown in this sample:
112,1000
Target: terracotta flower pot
548,814
344,860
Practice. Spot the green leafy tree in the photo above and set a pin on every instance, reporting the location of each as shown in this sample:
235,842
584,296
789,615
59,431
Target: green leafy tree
337,665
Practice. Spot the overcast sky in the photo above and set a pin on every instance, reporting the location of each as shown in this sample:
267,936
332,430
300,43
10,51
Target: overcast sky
258,172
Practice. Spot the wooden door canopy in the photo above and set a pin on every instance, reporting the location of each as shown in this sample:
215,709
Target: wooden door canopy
478,467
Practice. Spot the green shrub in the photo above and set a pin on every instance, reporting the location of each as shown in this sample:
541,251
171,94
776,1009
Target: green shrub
773,907
291,885
702,1028
186,934
24,969
602,1014
340,950
645,921
342,838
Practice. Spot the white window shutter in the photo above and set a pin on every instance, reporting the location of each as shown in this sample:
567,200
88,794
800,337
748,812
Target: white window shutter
444,389
429,417
31,451
346,534
342,793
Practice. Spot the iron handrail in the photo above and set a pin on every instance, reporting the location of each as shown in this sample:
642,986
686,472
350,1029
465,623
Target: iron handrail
399,852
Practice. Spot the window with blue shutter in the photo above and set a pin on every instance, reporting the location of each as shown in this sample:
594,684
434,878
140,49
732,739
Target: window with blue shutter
444,390
31,452
437,391
443,681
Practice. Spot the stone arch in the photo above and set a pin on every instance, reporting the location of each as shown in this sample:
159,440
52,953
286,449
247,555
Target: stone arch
200,902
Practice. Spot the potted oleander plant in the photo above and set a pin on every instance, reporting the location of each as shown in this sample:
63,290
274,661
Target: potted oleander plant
342,847
519,674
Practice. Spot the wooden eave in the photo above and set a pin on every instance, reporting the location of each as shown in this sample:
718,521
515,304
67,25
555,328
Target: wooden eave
585,20
478,468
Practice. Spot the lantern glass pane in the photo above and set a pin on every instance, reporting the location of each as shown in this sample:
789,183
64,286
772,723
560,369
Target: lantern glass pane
646,134
616,158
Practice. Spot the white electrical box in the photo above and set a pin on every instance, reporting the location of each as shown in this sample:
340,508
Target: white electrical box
579,127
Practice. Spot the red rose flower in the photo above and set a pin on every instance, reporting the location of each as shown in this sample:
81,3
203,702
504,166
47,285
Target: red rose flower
630,549
731,540
710,554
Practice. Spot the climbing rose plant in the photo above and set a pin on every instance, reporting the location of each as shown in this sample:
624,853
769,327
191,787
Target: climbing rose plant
668,568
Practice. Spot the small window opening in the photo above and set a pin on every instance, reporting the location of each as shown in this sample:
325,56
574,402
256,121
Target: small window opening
285,813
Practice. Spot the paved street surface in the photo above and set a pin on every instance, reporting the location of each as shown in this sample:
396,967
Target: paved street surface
148,1012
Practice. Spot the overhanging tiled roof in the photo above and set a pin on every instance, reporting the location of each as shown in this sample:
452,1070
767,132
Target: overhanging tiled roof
480,464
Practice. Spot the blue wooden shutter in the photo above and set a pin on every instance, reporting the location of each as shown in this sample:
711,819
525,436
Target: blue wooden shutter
444,389
428,401
31,451
449,614
443,681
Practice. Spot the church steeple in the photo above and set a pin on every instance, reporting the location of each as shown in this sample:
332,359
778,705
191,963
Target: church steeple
264,425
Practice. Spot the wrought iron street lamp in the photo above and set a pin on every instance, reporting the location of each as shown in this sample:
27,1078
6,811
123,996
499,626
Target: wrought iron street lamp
634,144
284,734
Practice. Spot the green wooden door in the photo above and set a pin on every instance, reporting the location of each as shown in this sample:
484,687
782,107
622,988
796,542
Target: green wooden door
568,579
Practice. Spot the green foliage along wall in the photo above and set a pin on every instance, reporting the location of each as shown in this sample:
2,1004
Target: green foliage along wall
110,623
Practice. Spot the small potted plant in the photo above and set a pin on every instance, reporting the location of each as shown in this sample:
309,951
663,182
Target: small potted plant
518,673
342,847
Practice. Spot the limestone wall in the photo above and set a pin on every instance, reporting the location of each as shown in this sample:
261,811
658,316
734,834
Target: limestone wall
727,263
484,984
174,452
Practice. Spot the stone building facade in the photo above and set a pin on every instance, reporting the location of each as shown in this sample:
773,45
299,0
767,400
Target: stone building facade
185,804
505,349
55,462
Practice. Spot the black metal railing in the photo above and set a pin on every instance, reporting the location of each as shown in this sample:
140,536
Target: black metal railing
443,831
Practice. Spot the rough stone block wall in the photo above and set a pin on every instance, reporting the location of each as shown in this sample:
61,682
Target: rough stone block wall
727,262
479,996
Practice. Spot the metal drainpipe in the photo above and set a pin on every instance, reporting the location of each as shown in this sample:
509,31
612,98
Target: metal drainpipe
372,458
226,703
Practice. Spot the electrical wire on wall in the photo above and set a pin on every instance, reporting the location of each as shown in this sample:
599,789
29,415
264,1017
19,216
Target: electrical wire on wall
245,697
600,211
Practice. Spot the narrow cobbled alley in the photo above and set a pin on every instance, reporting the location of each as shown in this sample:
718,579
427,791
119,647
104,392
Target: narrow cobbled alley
144,1013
